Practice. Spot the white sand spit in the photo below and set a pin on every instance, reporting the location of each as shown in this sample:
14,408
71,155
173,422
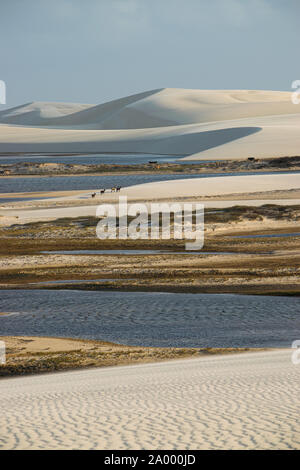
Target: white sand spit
245,401
27,215
215,186
228,188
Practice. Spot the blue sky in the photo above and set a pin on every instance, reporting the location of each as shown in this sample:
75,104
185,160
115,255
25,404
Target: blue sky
96,50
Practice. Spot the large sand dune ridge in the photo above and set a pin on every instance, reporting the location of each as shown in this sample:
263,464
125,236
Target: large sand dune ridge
207,124
155,108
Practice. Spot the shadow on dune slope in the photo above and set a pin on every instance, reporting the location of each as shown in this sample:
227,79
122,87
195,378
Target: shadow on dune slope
155,142
199,141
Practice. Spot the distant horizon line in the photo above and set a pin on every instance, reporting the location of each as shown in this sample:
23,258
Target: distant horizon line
3,107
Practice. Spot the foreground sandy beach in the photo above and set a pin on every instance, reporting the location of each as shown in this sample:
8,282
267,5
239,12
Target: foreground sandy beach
243,401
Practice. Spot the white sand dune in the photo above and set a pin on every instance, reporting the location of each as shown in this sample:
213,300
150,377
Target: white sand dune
40,113
270,136
209,124
242,401
154,108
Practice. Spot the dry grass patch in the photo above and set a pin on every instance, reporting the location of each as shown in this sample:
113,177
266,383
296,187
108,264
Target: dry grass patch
35,355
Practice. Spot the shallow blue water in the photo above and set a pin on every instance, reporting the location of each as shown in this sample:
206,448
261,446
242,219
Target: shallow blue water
139,252
87,182
272,235
153,319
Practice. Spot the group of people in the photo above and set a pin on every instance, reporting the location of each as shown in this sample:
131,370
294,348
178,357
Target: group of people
115,189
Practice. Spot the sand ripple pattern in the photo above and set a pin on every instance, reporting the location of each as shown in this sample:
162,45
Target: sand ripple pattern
247,401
